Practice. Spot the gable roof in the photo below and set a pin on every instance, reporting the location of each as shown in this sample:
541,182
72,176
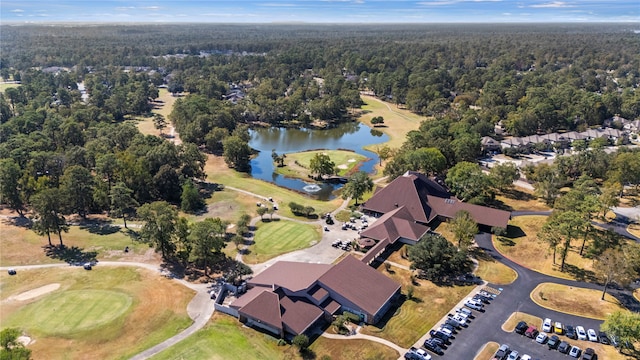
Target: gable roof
360,284
394,225
481,214
297,313
294,276
265,308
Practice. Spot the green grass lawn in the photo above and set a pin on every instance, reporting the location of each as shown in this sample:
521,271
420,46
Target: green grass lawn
415,317
297,164
4,87
105,313
280,237
70,313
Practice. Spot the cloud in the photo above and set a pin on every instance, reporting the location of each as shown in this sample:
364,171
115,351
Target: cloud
553,4
17,11
452,2
278,5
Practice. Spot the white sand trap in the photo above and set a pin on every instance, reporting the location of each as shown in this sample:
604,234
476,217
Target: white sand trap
24,340
342,166
27,295
351,160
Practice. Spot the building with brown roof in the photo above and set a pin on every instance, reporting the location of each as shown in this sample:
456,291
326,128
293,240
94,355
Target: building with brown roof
409,204
289,298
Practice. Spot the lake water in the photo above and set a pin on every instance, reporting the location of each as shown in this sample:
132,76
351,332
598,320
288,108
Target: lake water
351,135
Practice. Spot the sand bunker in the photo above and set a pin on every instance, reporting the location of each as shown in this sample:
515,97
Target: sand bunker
27,295
351,160
24,340
342,166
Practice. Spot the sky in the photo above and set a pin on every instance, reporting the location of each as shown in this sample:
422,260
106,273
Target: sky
318,11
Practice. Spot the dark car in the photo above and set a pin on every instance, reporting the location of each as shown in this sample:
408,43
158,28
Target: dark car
564,347
589,354
604,339
439,342
521,327
502,352
570,332
479,297
553,342
450,328
440,335
433,347
453,323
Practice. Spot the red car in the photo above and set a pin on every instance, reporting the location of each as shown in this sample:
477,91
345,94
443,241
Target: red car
531,332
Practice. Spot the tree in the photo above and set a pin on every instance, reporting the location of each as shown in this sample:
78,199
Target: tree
561,228
236,153
207,237
377,120
77,187
278,159
464,229
190,199
159,226
613,265
384,153
503,175
159,122
358,184
10,347
436,257
184,246
122,201
428,160
301,341
10,175
624,326
308,210
47,206
469,183
609,197
321,164
261,211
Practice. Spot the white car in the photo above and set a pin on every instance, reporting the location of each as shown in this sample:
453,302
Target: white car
591,334
464,311
425,355
525,357
446,331
462,320
513,355
546,325
582,335
575,352
541,338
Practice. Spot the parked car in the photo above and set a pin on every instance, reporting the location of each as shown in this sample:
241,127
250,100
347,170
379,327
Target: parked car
472,304
546,325
502,352
553,342
439,342
433,347
541,338
575,352
557,328
604,339
521,327
452,322
440,335
11,271
481,298
487,294
564,347
417,354
570,332
87,266
582,335
447,331
461,319
468,313
531,332
591,334
589,354
513,355
525,357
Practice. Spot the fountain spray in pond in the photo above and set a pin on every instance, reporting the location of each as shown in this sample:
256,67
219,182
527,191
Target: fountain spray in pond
312,188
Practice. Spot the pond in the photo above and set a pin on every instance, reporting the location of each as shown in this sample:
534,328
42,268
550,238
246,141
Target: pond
351,136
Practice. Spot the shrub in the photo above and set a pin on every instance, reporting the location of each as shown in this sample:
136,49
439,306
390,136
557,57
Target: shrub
351,317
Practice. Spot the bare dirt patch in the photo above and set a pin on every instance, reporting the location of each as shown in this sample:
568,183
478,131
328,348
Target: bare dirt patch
31,294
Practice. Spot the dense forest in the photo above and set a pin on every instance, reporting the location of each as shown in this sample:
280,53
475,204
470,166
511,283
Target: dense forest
533,78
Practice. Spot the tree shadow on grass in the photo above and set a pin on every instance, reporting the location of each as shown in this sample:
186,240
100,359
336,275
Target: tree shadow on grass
72,255
20,221
506,241
579,273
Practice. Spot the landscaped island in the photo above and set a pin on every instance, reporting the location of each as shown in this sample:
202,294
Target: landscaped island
298,165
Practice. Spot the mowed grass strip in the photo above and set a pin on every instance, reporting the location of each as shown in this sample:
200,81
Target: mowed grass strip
575,300
351,349
495,272
69,313
522,245
406,324
279,237
487,351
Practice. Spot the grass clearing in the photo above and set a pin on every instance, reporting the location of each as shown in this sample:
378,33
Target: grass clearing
218,172
634,229
116,311
279,237
397,122
518,199
522,246
575,300
351,349
226,205
297,164
495,272
4,87
21,246
163,105
414,318
516,317
487,351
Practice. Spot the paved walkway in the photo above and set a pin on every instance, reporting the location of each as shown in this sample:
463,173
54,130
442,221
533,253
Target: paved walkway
359,335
